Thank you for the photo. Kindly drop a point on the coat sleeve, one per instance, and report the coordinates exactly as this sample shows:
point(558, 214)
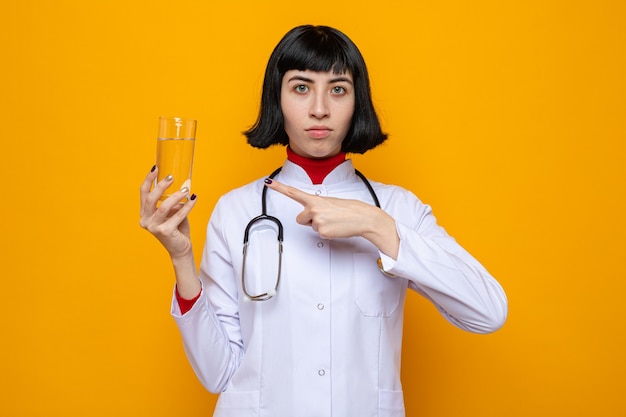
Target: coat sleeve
point(437, 267)
point(210, 330)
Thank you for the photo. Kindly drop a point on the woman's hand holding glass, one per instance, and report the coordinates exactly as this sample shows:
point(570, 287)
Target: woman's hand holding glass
point(166, 221)
point(169, 223)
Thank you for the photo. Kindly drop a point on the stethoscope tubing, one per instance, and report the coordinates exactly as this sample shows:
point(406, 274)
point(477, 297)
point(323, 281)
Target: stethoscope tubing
point(266, 217)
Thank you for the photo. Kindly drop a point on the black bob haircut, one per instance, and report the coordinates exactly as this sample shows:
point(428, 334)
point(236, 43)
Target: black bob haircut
point(316, 48)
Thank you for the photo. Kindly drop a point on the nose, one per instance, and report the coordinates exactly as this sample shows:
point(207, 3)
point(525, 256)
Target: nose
point(319, 106)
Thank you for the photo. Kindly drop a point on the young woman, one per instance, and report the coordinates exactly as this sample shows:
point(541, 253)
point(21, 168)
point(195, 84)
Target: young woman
point(306, 320)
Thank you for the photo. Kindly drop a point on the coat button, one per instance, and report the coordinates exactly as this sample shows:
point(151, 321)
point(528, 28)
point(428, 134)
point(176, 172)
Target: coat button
point(320, 306)
point(320, 244)
point(321, 372)
point(318, 192)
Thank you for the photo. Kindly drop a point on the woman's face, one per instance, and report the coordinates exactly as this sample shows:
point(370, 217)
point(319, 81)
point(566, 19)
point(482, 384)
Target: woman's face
point(317, 110)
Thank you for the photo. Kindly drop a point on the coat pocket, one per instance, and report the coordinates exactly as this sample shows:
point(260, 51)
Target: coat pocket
point(391, 403)
point(238, 404)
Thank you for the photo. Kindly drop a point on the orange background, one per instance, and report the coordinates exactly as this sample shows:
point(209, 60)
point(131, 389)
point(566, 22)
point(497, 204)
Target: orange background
point(506, 117)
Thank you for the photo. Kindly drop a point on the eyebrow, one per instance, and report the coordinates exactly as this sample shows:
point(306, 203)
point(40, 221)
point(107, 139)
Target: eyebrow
point(332, 80)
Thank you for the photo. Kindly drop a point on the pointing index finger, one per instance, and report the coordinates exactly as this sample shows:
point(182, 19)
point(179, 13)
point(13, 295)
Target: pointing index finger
point(291, 192)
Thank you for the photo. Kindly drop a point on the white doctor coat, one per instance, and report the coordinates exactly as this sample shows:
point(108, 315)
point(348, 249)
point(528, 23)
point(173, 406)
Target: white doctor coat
point(329, 342)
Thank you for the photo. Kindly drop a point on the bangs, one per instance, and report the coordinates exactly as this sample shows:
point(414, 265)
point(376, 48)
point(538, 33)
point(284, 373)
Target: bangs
point(318, 51)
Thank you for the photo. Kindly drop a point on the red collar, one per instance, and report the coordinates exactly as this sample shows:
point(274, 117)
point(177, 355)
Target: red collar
point(317, 169)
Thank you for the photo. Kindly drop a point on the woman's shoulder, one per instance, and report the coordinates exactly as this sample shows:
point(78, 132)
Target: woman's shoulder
point(398, 199)
point(392, 190)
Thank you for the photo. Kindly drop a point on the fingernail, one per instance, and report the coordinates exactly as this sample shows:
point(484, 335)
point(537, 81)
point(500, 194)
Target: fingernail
point(184, 190)
point(193, 197)
point(168, 178)
point(268, 180)
point(153, 168)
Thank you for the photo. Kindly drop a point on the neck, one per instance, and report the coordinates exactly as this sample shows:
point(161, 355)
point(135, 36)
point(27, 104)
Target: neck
point(316, 169)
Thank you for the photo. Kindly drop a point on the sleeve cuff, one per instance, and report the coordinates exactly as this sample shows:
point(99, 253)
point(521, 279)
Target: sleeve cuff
point(185, 304)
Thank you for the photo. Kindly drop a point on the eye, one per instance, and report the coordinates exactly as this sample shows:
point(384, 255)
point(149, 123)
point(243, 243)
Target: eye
point(338, 90)
point(301, 88)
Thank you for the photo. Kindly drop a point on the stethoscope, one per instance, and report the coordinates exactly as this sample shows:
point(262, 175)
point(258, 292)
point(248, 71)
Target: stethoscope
point(266, 217)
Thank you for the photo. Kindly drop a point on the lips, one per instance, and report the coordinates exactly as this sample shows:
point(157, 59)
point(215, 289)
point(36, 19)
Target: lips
point(318, 132)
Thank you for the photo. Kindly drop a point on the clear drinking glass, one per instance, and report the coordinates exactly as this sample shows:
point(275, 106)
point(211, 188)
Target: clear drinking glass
point(175, 146)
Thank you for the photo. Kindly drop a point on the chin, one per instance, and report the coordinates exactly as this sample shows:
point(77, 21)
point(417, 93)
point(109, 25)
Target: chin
point(319, 149)
point(322, 153)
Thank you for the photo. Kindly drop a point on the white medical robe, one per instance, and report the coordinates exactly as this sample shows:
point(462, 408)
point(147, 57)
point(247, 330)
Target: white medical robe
point(329, 342)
